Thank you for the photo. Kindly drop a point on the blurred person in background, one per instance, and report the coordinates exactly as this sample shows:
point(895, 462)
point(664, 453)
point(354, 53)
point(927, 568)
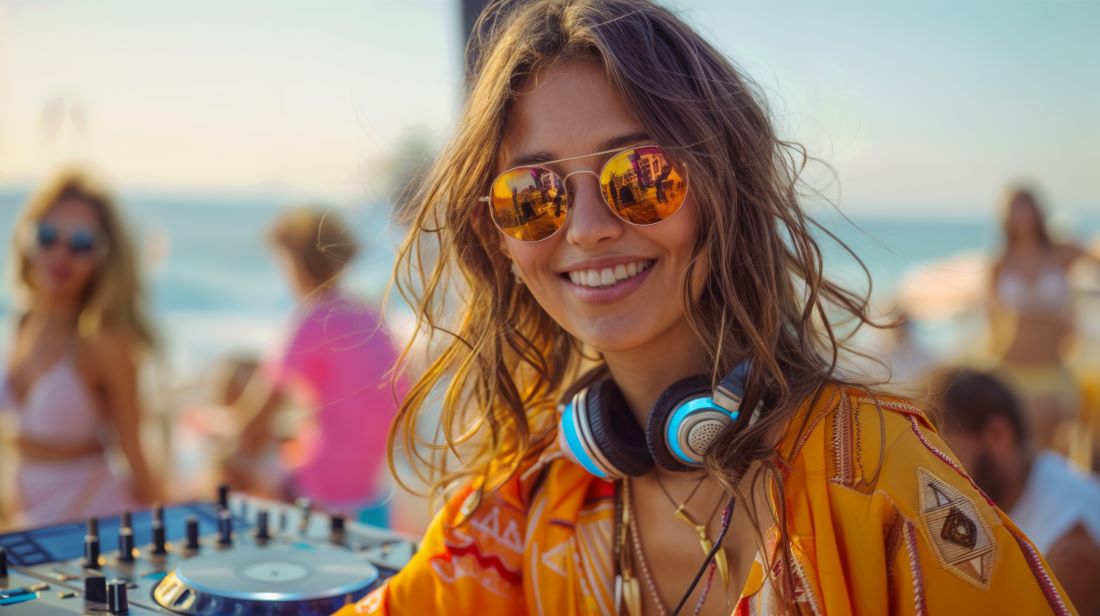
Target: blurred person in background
point(1032, 318)
point(336, 363)
point(1055, 504)
point(71, 374)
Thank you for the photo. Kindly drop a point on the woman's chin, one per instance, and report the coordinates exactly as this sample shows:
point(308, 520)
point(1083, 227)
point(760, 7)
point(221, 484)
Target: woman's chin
point(619, 338)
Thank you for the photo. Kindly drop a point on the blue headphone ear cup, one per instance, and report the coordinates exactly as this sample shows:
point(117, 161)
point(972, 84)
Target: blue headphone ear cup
point(618, 436)
point(671, 399)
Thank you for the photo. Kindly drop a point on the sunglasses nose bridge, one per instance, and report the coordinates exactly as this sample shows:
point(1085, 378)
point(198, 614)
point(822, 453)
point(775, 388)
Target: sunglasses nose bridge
point(571, 190)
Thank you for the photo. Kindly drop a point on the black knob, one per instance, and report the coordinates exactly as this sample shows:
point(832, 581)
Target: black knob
point(126, 545)
point(95, 588)
point(160, 540)
point(91, 544)
point(127, 520)
point(159, 536)
point(223, 496)
point(225, 528)
point(192, 533)
point(91, 552)
point(3, 563)
point(263, 533)
point(337, 525)
point(117, 603)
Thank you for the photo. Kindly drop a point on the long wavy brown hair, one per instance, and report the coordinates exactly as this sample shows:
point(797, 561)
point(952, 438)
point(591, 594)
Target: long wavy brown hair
point(500, 363)
point(114, 295)
point(1029, 196)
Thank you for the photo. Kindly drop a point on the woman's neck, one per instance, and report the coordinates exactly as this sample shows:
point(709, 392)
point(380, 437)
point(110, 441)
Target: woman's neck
point(56, 310)
point(1026, 244)
point(643, 373)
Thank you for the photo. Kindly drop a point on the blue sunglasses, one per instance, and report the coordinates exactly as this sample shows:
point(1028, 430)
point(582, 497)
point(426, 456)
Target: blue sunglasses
point(79, 242)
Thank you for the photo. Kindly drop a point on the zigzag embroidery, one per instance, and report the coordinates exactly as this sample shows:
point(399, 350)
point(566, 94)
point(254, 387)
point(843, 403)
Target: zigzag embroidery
point(491, 561)
point(489, 525)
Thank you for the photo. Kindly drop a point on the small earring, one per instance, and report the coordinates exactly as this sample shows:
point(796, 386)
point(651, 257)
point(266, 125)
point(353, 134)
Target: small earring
point(515, 272)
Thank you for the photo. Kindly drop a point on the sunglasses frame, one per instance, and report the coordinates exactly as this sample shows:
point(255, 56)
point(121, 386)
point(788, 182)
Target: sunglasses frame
point(64, 238)
point(680, 167)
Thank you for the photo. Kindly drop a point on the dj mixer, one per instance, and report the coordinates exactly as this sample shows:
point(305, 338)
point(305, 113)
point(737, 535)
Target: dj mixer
point(239, 555)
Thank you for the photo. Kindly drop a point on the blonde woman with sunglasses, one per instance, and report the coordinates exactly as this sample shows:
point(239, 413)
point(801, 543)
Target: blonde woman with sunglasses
point(641, 384)
point(71, 370)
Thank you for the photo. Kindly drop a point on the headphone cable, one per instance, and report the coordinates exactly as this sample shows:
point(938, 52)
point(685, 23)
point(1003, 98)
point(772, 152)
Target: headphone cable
point(726, 522)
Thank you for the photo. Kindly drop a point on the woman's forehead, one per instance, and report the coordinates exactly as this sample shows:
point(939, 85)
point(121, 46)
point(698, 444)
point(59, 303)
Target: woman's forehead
point(73, 209)
point(568, 109)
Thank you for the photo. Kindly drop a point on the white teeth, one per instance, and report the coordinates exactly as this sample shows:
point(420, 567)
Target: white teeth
point(609, 275)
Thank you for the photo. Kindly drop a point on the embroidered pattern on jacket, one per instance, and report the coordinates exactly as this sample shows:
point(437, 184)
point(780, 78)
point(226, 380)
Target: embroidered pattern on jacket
point(914, 568)
point(1053, 597)
point(960, 537)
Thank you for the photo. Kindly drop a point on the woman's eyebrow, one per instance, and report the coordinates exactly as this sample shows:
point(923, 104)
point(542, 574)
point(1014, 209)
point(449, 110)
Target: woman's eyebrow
point(605, 145)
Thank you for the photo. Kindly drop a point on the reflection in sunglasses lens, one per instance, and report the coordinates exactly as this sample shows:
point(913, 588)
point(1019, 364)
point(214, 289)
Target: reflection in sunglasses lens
point(642, 186)
point(529, 203)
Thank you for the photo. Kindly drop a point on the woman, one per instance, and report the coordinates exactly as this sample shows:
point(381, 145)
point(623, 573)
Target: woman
point(615, 198)
point(335, 340)
point(71, 373)
point(1033, 317)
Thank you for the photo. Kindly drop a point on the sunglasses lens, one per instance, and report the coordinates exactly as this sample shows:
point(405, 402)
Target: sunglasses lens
point(82, 243)
point(529, 203)
point(46, 235)
point(643, 186)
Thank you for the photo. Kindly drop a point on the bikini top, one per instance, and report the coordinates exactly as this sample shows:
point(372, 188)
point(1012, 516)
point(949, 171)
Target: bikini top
point(1049, 292)
point(58, 409)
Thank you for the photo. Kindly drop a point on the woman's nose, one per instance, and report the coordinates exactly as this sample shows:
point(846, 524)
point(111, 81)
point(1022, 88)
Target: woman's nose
point(590, 222)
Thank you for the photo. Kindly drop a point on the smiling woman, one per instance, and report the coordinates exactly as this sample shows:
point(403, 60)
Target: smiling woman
point(615, 200)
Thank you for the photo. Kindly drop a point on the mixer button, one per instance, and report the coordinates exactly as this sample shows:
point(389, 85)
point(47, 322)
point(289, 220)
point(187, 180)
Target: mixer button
point(117, 603)
point(95, 588)
point(192, 534)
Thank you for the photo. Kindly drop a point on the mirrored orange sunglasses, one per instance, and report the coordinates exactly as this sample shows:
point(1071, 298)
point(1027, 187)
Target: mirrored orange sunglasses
point(642, 185)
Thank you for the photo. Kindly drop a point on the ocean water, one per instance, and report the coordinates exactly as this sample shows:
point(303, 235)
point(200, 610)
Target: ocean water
point(215, 287)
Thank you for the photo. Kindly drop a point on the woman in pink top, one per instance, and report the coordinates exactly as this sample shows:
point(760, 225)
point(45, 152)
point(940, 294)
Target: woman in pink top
point(336, 362)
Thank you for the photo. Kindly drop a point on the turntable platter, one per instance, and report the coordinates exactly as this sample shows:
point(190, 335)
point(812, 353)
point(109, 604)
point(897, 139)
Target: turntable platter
point(299, 579)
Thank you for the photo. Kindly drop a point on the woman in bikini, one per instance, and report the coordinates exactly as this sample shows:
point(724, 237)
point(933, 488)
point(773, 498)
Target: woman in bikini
point(642, 410)
point(71, 370)
point(1034, 321)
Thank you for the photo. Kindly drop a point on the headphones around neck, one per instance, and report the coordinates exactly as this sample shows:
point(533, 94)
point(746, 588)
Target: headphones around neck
point(598, 432)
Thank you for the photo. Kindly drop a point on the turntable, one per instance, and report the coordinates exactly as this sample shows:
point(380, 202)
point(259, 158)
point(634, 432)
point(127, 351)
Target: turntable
point(281, 580)
point(238, 556)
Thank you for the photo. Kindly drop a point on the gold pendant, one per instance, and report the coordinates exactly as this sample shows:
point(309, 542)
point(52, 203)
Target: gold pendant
point(706, 544)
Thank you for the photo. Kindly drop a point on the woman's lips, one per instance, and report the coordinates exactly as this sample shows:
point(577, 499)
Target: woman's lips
point(606, 293)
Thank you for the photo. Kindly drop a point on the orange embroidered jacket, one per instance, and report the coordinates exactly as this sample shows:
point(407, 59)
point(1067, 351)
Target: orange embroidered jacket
point(882, 519)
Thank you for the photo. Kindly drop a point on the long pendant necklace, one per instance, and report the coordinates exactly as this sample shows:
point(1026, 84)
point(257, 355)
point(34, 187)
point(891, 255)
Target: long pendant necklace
point(644, 565)
point(700, 529)
point(627, 592)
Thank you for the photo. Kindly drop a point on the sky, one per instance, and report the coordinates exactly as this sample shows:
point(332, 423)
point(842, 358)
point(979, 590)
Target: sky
point(924, 107)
